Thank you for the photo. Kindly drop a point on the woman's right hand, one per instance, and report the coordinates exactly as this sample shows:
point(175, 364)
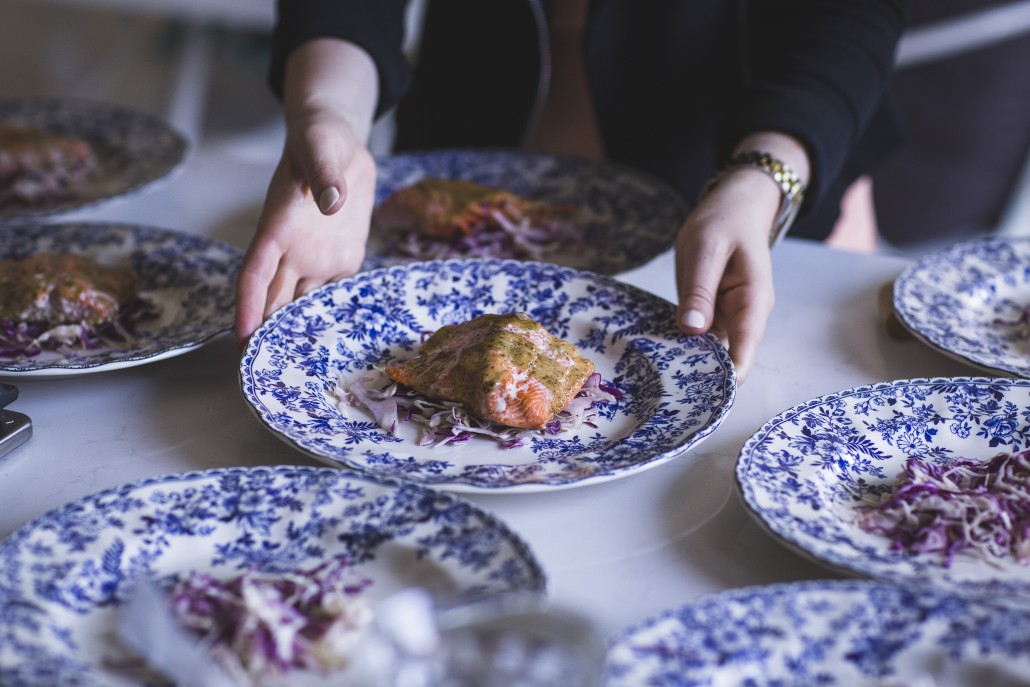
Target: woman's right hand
point(314, 223)
point(315, 219)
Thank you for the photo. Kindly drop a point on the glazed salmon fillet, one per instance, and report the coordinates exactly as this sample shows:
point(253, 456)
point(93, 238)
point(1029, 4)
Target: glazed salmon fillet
point(445, 208)
point(38, 166)
point(504, 368)
point(61, 288)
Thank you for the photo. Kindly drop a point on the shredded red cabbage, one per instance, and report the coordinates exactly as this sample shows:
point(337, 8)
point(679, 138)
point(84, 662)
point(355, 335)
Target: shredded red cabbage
point(29, 339)
point(41, 171)
point(499, 235)
point(258, 623)
point(974, 507)
point(1024, 318)
point(1023, 321)
point(446, 422)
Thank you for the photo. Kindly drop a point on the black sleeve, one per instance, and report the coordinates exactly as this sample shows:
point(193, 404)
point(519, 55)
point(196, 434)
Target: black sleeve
point(819, 70)
point(377, 26)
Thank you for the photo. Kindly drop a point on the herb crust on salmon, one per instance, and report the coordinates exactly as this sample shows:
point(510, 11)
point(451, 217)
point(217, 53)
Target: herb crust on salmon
point(502, 368)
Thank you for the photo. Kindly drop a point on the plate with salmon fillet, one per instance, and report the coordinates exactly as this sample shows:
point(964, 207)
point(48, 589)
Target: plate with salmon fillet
point(453, 204)
point(63, 154)
point(486, 375)
point(84, 297)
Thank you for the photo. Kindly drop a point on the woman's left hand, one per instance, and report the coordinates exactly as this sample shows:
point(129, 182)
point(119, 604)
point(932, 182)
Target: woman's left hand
point(724, 267)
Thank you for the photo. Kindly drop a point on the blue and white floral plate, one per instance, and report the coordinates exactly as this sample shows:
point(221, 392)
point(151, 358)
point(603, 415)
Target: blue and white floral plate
point(968, 301)
point(133, 149)
point(191, 278)
point(627, 216)
point(806, 471)
point(847, 633)
point(678, 389)
point(65, 574)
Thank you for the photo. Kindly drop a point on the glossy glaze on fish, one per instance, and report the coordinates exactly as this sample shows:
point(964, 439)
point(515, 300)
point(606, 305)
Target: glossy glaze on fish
point(448, 208)
point(504, 368)
point(63, 288)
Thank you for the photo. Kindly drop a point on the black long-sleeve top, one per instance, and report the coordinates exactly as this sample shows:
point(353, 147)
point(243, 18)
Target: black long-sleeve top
point(675, 83)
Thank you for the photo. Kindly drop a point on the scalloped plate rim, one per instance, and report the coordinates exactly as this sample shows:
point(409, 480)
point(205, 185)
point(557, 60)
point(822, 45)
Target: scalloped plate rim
point(846, 563)
point(11, 544)
point(913, 324)
point(841, 590)
point(513, 157)
point(729, 390)
point(183, 153)
point(133, 231)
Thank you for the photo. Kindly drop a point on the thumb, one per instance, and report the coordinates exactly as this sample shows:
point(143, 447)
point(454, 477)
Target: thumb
point(697, 283)
point(323, 157)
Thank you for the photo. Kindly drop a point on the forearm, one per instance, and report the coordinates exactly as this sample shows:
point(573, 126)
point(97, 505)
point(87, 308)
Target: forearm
point(331, 75)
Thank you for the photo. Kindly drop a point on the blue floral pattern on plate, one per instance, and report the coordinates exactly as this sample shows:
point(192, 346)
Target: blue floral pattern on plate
point(847, 633)
point(64, 575)
point(192, 279)
point(805, 472)
point(677, 388)
point(627, 217)
point(967, 301)
point(133, 149)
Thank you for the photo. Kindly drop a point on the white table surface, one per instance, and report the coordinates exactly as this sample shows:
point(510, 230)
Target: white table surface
point(619, 551)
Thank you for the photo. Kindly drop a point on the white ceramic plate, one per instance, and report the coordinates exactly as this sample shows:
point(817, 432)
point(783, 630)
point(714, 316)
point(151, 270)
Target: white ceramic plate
point(627, 217)
point(65, 574)
point(807, 470)
point(844, 633)
point(192, 279)
point(967, 301)
point(677, 389)
point(133, 149)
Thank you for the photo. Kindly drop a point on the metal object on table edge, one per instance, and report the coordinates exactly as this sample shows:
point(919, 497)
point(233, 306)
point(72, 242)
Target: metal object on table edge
point(15, 428)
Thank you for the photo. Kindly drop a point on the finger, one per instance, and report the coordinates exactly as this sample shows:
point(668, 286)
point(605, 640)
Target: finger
point(698, 273)
point(307, 285)
point(745, 325)
point(720, 334)
point(249, 313)
point(257, 271)
point(323, 159)
point(743, 339)
point(282, 288)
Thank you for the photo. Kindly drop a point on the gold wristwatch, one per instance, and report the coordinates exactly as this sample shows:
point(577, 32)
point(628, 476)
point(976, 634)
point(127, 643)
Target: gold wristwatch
point(793, 191)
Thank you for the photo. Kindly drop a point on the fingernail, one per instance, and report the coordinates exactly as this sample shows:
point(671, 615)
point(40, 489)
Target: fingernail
point(694, 319)
point(328, 199)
